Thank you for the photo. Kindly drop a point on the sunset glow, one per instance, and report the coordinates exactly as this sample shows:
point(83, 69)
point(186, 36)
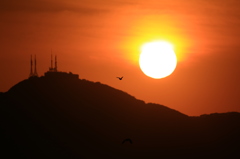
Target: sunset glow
point(102, 40)
point(157, 59)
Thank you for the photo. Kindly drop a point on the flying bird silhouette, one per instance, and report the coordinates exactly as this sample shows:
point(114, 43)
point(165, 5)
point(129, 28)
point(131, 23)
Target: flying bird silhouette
point(120, 78)
point(127, 140)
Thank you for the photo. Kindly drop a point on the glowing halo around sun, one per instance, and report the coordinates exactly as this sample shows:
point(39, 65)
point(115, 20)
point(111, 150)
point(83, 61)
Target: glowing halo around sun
point(157, 59)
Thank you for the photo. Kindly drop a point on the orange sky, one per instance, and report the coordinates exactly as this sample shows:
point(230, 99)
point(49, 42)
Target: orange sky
point(100, 40)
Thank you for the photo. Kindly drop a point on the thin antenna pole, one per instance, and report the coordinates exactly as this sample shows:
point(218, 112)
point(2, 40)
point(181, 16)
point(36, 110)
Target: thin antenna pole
point(35, 67)
point(31, 71)
point(56, 63)
point(51, 61)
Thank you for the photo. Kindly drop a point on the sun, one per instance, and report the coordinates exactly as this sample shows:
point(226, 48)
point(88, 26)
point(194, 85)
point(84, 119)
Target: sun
point(157, 59)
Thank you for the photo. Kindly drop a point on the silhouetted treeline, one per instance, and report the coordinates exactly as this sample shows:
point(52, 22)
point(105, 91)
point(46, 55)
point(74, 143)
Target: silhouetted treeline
point(75, 118)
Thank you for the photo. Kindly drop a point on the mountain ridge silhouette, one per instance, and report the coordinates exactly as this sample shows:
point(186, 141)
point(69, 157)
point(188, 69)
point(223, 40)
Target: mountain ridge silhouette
point(77, 118)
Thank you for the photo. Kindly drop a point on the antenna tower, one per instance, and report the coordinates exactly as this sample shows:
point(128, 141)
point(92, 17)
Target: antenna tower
point(55, 63)
point(35, 67)
point(31, 70)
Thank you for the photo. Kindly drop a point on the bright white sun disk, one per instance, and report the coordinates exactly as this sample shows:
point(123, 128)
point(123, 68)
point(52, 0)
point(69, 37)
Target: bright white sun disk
point(157, 59)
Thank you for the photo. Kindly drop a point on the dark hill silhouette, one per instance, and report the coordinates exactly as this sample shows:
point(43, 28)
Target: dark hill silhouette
point(74, 118)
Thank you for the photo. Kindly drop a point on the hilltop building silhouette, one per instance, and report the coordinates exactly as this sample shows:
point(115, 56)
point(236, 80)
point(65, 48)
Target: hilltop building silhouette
point(52, 72)
point(33, 74)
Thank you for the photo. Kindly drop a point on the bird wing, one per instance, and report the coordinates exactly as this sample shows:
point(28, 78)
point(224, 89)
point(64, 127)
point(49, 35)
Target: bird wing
point(129, 140)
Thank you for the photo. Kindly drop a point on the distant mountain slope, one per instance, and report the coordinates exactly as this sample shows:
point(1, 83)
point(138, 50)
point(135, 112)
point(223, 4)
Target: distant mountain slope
point(75, 118)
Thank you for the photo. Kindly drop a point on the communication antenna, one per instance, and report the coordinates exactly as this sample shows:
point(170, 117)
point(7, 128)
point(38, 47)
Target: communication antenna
point(56, 63)
point(31, 70)
point(35, 67)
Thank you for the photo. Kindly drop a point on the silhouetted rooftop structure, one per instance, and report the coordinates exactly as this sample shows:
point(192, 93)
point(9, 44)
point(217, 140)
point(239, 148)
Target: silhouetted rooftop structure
point(60, 75)
point(52, 72)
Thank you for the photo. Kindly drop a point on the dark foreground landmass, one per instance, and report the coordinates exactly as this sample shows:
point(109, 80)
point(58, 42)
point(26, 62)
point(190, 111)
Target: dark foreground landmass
point(73, 118)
